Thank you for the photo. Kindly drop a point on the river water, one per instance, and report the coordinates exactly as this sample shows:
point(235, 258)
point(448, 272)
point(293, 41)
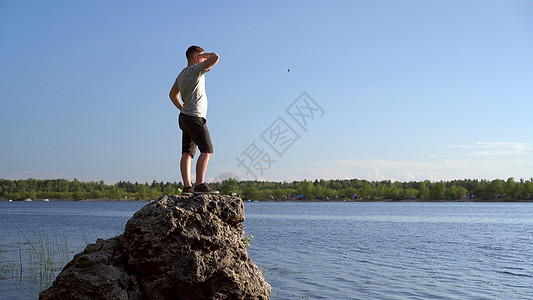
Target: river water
point(321, 250)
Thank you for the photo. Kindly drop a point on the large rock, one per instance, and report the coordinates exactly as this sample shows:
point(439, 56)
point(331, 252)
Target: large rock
point(177, 247)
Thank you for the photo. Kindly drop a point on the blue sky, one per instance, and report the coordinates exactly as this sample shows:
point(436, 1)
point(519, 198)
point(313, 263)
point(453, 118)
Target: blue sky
point(402, 90)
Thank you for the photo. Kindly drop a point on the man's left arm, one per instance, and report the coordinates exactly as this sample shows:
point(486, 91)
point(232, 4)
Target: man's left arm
point(174, 96)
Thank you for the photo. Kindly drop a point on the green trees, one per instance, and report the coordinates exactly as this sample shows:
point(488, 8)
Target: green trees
point(510, 188)
point(307, 189)
point(437, 191)
point(424, 190)
point(250, 192)
point(229, 186)
point(77, 190)
point(312, 190)
point(142, 192)
point(455, 192)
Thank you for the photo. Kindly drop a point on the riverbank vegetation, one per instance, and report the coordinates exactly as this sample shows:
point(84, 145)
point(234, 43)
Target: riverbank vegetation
point(34, 261)
point(78, 190)
point(348, 189)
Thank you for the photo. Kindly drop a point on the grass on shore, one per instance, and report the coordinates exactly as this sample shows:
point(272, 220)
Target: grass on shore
point(36, 259)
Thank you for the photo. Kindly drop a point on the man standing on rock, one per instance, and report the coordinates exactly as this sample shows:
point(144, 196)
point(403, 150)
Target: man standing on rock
point(192, 118)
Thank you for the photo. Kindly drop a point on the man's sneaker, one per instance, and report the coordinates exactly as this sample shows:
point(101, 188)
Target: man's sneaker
point(204, 189)
point(188, 191)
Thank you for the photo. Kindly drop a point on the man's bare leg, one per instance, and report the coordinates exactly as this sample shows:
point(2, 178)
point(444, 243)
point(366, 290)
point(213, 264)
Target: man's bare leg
point(201, 167)
point(185, 167)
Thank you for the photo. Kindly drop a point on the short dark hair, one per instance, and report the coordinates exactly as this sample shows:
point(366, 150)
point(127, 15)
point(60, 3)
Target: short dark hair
point(193, 50)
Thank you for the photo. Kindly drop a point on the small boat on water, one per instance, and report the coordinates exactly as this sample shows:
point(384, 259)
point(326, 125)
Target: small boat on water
point(28, 200)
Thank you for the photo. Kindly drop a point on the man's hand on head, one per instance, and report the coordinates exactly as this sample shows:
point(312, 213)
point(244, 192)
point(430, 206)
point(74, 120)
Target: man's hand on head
point(211, 60)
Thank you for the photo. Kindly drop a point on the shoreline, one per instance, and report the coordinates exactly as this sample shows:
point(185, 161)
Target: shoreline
point(286, 200)
point(405, 200)
point(82, 200)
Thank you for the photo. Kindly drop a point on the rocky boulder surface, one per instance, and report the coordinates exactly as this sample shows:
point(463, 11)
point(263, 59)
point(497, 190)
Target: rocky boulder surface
point(177, 247)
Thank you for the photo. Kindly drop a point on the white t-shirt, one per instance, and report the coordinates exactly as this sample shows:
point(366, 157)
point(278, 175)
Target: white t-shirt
point(191, 84)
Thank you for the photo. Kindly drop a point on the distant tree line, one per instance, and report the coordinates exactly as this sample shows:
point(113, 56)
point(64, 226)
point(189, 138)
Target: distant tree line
point(78, 190)
point(370, 190)
point(356, 189)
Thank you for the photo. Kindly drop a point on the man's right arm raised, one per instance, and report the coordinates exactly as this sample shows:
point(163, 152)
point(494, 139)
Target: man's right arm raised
point(211, 60)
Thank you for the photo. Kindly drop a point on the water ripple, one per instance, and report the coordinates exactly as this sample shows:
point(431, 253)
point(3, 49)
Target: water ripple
point(396, 251)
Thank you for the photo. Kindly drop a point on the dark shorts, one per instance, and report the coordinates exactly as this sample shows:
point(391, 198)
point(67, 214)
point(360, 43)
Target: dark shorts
point(194, 133)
